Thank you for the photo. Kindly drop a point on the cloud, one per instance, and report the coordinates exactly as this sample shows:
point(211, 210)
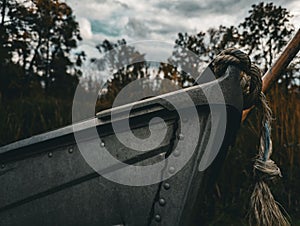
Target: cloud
point(85, 28)
point(136, 28)
point(123, 4)
point(160, 20)
point(192, 8)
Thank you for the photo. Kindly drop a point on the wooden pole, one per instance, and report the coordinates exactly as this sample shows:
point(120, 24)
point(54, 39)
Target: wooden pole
point(280, 64)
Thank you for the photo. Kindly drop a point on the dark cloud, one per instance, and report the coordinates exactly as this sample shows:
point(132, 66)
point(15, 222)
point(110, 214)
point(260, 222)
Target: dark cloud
point(192, 8)
point(180, 6)
point(164, 19)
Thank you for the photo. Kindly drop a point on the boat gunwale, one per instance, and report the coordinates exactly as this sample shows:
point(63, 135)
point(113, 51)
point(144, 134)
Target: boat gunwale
point(139, 108)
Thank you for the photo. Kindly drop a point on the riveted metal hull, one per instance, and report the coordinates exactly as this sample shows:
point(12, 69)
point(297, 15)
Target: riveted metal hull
point(45, 180)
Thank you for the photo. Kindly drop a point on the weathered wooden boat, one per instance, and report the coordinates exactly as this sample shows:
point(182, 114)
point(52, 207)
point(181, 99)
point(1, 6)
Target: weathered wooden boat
point(45, 179)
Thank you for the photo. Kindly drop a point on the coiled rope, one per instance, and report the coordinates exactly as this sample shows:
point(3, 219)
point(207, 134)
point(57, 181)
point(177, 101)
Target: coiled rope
point(264, 209)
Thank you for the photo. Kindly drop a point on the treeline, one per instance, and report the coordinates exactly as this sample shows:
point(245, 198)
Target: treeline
point(40, 70)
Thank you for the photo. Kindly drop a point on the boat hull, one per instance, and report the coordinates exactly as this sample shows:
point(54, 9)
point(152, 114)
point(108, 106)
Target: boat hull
point(45, 180)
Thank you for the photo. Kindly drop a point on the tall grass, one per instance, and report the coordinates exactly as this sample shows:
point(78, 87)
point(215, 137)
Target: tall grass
point(22, 118)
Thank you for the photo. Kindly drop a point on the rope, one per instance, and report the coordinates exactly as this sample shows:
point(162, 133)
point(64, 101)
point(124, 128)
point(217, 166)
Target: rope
point(264, 209)
point(250, 77)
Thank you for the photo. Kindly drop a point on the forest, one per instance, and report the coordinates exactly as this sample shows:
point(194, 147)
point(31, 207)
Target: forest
point(40, 70)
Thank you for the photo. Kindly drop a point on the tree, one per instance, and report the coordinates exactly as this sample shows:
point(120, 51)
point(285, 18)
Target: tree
point(120, 64)
point(10, 72)
point(124, 64)
point(40, 35)
point(265, 32)
point(192, 53)
point(221, 39)
point(38, 68)
point(187, 58)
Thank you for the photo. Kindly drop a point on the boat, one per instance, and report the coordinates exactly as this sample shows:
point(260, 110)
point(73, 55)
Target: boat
point(48, 180)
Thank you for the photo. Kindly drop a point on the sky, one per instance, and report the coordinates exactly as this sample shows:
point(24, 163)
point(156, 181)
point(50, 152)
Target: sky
point(138, 20)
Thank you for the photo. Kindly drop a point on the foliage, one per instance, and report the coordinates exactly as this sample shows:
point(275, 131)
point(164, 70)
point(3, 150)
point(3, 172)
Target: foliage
point(37, 38)
point(37, 67)
point(265, 32)
point(125, 64)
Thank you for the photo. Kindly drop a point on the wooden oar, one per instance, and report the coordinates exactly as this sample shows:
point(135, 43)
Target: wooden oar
point(280, 64)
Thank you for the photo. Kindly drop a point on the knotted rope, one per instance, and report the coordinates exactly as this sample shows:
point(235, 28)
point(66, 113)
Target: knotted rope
point(250, 77)
point(264, 209)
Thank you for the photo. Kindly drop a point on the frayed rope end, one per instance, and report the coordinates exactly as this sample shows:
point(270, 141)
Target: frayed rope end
point(264, 209)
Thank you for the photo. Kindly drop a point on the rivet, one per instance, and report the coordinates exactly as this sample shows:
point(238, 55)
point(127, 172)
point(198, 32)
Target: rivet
point(2, 166)
point(162, 201)
point(172, 170)
point(71, 150)
point(157, 218)
point(102, 144)
point(50, 154)
point(176, 153)
point(167, 186)
point(180, 136)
